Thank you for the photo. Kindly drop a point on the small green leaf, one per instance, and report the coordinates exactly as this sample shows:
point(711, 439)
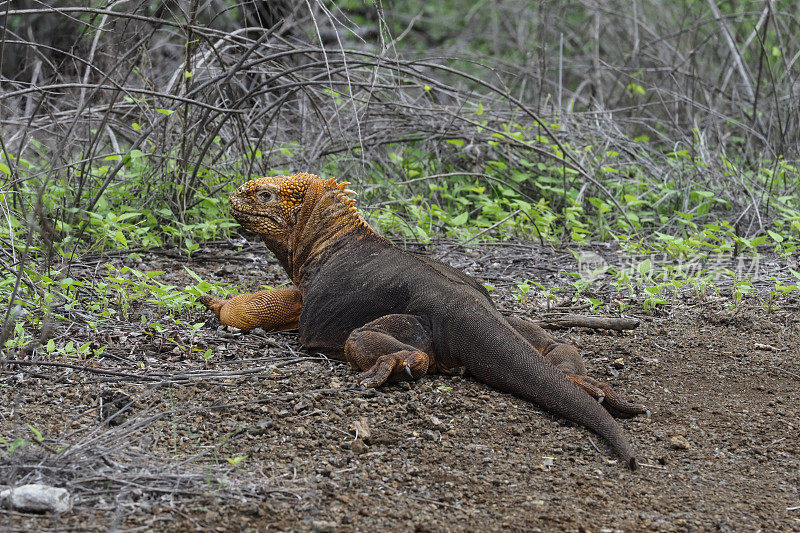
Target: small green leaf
point(236, 459)
point(37, 433)
point(635, 88)
point(459, 220)
point(118, 235)
point(192, 273)
point(777, 237)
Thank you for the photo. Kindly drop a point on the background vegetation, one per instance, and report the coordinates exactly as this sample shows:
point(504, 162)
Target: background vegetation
point(660, 127)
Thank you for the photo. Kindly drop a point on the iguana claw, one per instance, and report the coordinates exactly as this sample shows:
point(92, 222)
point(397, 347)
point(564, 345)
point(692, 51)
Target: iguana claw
point(605, 395)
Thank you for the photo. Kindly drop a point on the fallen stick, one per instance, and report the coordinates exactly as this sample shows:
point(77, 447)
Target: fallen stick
point(593, 322)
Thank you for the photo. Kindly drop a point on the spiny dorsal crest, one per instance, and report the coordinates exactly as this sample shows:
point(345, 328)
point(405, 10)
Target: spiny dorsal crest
point(345, 196)
point(343, 192)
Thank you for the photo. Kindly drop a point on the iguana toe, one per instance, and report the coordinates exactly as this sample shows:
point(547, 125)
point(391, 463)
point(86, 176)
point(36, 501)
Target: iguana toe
point(605, 395)
point(377, 375)
point(399, 366)
point(213, 304)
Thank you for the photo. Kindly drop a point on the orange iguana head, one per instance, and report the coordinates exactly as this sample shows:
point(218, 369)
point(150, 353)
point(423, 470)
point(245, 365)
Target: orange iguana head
point(298, 216)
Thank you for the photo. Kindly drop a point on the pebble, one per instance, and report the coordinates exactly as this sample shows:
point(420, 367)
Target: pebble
point(37, 498)
point(358, 446)
point(430, 435)
point(679, 442)
point(301, 405)
point(321, 526)
point(260, 427)
point(361, 427)
point(112, 402)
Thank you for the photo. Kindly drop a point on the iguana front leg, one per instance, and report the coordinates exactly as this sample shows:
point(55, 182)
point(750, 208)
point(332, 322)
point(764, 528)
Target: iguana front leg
point(272, 309)
point(392, 348)
point(567, 359)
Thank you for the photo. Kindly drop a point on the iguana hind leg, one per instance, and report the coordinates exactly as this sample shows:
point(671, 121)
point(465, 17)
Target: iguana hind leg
point(272, 309)
point(567, 359)
point(391, 348)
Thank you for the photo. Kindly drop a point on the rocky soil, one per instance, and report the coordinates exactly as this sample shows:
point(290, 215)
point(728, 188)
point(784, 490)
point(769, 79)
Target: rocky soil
point(264, 436)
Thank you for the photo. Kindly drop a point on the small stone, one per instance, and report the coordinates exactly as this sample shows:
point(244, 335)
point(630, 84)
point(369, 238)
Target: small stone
point(321, 526)
point(250, 508)
point(112, 403)
point(429, 435)
point(38, 498)
point(619, 363)
point(260, 427)
point(361, 427)
point(679, 442)
point(435, 421)
point(358, 447)
point(302, 405)
point(338, 461)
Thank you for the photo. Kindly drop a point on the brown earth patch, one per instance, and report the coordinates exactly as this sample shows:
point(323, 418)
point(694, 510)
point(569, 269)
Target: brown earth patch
point(265, 436)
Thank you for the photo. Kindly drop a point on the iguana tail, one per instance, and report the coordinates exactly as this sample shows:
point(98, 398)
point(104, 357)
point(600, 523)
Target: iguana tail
point(498, 356)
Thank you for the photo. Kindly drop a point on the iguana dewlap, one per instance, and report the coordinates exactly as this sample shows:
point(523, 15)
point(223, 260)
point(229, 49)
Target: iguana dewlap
point(396, 315)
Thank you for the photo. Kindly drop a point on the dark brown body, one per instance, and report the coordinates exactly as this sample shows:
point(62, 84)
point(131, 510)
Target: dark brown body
point(372, 278)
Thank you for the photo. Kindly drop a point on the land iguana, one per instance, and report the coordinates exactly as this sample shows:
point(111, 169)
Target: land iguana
point(395, 315)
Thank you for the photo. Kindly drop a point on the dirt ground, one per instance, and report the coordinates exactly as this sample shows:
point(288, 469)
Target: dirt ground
point(265, 436)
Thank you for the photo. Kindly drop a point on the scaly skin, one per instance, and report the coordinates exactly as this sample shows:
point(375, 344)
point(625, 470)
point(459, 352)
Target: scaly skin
point(395, 315)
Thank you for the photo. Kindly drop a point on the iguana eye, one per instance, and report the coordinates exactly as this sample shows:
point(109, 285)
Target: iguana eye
point(266, 197)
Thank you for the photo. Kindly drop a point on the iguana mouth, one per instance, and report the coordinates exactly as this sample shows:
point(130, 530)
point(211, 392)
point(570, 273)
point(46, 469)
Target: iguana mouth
point(240, 215)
